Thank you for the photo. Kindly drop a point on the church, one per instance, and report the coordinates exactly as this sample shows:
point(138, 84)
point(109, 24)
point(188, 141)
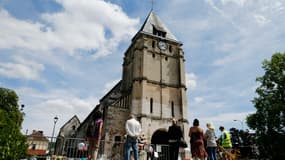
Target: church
point(152, 87)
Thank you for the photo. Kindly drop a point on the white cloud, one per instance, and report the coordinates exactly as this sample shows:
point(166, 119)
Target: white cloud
point(17, 33)
point(63, 96)
point(224, 14)
point(258, 26)
point(109, 85)
point(227, 59)
point(227, 120)
point(198, 99)
point(202, 103)
point(43, 106)
point(227, 47)
point(21, 68)
point(191, 80)
point(96, 27)
point(261, 20)
point(70, 105)
point(239, 2)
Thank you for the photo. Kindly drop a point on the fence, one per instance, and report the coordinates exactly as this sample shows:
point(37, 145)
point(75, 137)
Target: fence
point(63, 148)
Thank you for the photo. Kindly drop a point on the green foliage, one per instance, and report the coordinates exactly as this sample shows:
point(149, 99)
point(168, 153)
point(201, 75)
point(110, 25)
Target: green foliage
point(12, 142)
point(269, 119)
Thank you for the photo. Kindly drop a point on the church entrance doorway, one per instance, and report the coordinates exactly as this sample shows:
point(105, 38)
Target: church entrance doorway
point(159, 141)
point(160, 136)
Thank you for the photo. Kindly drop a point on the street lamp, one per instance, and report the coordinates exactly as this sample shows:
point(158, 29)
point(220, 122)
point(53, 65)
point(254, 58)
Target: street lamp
point(55, 119)
point(22, 107)
point(241, 122)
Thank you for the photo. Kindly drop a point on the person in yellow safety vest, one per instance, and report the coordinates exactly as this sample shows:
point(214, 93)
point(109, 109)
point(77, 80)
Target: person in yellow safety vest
point(225, 139)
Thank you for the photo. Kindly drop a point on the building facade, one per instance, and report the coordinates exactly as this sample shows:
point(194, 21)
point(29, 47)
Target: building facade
point(65, 136)
point(37, 144)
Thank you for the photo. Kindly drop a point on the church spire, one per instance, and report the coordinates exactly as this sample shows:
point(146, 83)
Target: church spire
point(154, 26)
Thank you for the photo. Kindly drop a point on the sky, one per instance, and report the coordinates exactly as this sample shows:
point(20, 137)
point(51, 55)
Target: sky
point(62, 56)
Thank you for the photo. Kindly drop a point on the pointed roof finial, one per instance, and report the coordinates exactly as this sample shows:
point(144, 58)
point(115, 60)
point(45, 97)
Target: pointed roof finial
point(152, 3)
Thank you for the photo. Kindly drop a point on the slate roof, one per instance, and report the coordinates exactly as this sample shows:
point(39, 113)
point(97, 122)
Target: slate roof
point(37, 135)
point(153, 20)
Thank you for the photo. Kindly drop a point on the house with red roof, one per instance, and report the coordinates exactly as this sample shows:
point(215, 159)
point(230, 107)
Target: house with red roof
point(37, 144)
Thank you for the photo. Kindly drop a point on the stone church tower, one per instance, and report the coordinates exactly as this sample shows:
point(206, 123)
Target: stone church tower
point(154, 77)
point(152, 87)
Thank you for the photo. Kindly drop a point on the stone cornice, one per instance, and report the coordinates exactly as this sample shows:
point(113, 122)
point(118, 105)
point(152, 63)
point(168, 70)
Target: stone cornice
point(160, 118)
point(159, 83)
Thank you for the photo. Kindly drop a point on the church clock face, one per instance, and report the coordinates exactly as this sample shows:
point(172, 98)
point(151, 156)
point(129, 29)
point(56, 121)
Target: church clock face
point(162, 45)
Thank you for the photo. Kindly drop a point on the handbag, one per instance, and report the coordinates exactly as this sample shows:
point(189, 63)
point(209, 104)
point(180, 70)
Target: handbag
point(155, 154)
point(182, 143)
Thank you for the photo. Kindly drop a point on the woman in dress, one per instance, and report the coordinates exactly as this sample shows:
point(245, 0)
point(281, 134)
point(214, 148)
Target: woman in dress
point(197, 142)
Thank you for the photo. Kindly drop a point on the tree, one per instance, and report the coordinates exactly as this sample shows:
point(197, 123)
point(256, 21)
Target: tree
point(12, 142)
point(269, 119)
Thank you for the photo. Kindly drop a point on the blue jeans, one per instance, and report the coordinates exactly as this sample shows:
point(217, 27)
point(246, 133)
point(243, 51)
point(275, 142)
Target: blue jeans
point(211, 153)
point(131, 142)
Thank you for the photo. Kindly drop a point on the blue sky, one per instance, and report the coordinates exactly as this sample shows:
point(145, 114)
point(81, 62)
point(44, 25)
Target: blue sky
point(62, 56)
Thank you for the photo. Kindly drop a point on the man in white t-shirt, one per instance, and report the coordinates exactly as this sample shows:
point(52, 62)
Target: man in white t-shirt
point(133, 129)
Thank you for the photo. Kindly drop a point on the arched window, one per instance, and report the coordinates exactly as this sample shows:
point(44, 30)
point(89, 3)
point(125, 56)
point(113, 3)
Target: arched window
point(151, 105)
point(153, 44)
point(157, 32)
point(172, 109)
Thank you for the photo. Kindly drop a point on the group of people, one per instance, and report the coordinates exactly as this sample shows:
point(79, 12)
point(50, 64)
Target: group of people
point(133, 130)
point(199, 149)
point(94, 130)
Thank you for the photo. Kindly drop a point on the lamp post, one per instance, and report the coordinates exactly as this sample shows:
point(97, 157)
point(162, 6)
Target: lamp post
point(19, 120)
point(241, 122)
point(55, 119)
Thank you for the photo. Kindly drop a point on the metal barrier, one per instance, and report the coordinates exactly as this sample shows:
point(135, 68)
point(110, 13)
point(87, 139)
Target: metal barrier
point(162, 152)
point(60, 148)
point(63, 148)
point(71, 147)
point(115, 151)
point(111, 150)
